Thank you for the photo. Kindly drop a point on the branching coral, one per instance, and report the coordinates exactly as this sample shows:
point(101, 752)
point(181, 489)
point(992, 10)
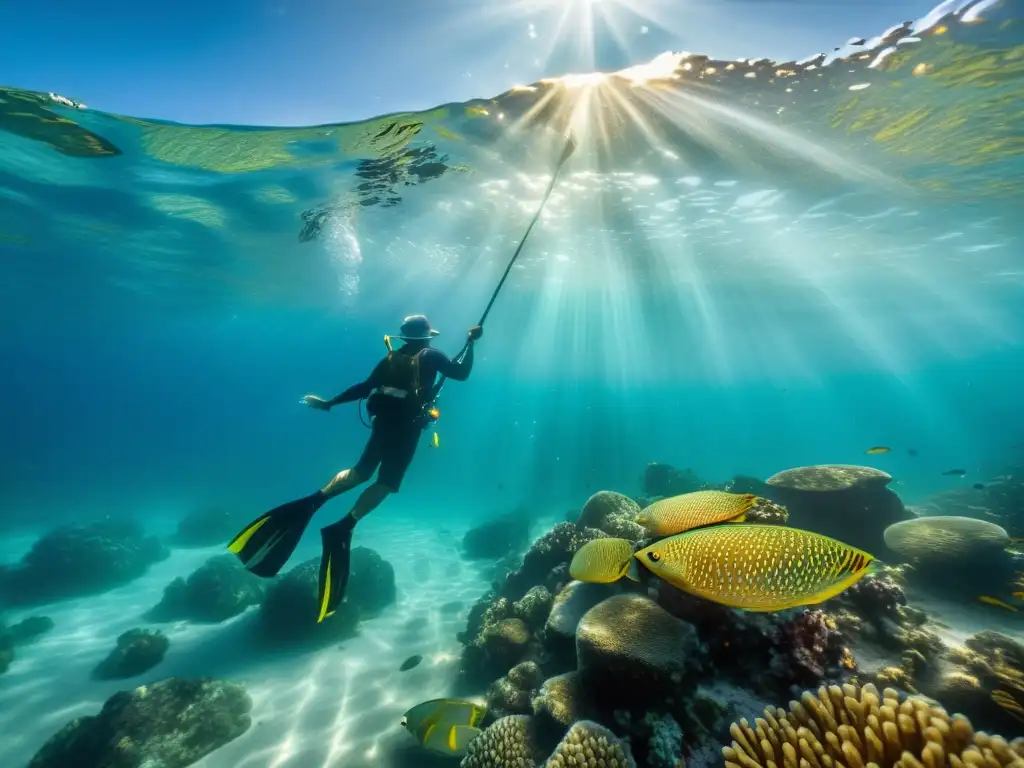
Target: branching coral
point(856, 727)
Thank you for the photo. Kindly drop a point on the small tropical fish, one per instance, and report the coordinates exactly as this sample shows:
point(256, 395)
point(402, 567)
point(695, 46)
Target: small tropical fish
point(444, 725)
point(412, 661)
point(996, 602)
point(603, 561)
point(955, 472)
point(693, 510)
point(878, 449)
point(756, 567)
point(978, 486)
point(912, 451)
point(435, 441)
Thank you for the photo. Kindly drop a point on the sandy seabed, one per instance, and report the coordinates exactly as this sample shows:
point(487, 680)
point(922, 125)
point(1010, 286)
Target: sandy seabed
point(338, 706)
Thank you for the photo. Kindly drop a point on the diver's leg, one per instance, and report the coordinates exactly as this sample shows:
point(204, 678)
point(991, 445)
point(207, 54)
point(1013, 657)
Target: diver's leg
point(363, 470)
point(345, 480)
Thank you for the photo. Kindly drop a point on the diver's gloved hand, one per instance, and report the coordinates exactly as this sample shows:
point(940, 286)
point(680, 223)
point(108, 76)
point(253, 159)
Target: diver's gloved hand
point(316, 402)
point(476, 332)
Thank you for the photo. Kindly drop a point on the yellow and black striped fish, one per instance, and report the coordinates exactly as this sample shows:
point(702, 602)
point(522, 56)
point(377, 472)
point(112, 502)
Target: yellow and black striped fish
point(693, 510)
point(445, 725)
point(756, 567)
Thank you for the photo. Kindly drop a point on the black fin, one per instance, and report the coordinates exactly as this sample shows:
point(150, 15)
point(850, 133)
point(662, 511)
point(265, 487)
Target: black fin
point(334, 565)
point(265, 545)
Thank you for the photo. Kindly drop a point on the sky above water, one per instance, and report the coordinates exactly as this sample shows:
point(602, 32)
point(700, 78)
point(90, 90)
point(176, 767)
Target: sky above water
point(305, 62)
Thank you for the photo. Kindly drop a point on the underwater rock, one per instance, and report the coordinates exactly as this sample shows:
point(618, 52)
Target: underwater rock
point(664, 480)
point(560, 702)
point(6, 649)
point(568, 608)
point(631, 650)
point(509, 742)
point(506, 642)
point(768, 512)
point(495, 539)
point(216, 591)
point(81, 559)
point(534, 607)
point(171, 724)
point(926, 735)
point(613, 514)
point(137, 651)
point(29, 630)
point(288, 613)
point(957, 555)
point(554, 548)
point(206, 527)
point(983, 679)
point(846, 502)
point(590, 745)
point(371, 585)
point(665, 742)
point(511, 694)
point(876, 595)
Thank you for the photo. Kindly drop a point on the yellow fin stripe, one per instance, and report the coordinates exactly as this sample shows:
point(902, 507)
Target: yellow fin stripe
point(451, 738)
point(327, 593)
point(475, 716)
point(430, 730)
point(239, 542)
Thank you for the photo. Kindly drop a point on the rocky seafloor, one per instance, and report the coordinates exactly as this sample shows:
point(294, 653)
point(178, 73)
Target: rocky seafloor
point(579, 674)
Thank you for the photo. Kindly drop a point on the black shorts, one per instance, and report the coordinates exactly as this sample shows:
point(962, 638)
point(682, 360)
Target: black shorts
point(391, 446)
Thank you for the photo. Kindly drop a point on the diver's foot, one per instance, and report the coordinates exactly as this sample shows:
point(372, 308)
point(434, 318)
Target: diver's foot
point(334, 564)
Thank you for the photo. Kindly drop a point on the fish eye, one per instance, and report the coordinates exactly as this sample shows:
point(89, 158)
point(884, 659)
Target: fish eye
point(405, 722)
point(653, 557)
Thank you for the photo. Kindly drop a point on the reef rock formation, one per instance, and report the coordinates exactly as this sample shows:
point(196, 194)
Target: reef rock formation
point(216, 591)
point(664, 480)
point(575, 599)
point(560, 702)
point(290, 609)
point(81, 559)
point(512, 694)
point(206, 527)
point(590, 745)
point(137, 651)
point(371, 584)
point(29, 630)
point(170, 724)
point(855, 726)
point(962, 554)
point(631, 651)
point(848, 503)
point(499, 538)
point(509, 742)
point(613, 514)
point(6, 649)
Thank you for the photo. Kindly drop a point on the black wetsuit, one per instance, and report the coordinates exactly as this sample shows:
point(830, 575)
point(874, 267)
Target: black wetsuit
point(394, 438)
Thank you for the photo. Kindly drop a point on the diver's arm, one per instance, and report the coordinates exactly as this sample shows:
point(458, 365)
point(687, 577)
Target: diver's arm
point(458, 370)
point(355, 392)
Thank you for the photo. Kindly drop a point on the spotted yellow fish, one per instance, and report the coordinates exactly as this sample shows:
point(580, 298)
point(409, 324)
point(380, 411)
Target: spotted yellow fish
point(603, 561)
point(445, 725)
point(756, 567)
point(692, 510)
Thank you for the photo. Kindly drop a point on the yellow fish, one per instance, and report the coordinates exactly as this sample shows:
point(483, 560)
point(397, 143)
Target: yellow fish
point(603, 561)
point(878, 449)
point(756, 567)
point(445, 725)
point(435, 441)
point(996, 602)
point(693, 510)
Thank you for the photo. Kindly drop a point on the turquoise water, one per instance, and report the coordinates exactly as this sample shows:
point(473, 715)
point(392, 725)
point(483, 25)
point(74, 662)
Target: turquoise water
point(744, 267)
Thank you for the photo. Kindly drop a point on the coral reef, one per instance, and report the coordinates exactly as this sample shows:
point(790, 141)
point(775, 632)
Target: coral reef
point(512, 694)
point(857, 727)
point(663, 480)
point(498, 538)
point(613, 514)
point(172, 724)
point(509, 742)
point(137, 651)
point(214, 592)
point(206, 527)
point(569, 606)
point(81, 559)
point(848, 503)
point(589, 745)
point(288, 613)
point(371, 584)
point(534, 607)
point(29, 630)
point(631, 651)
point(561, 702)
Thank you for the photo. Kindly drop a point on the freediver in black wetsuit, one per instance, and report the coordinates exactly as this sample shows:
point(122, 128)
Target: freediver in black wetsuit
point(400, 393)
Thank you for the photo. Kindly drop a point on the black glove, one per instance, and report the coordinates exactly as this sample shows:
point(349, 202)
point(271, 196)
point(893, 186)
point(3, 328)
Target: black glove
point(476, 332)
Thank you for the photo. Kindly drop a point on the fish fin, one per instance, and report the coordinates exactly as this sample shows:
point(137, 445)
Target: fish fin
point(459, 737)
point(632, 572)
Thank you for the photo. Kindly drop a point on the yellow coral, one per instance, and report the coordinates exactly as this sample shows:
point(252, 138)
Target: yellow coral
point(858, 727)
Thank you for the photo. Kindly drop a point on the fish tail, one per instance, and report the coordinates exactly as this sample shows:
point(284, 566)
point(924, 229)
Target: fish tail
point(632, 572)
point(749, 500)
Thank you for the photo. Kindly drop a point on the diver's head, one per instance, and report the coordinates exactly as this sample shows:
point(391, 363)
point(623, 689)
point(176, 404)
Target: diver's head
point(416, 331)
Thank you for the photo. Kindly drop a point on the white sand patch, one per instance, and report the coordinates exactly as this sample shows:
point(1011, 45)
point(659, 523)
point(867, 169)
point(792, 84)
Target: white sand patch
point(339, 706)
